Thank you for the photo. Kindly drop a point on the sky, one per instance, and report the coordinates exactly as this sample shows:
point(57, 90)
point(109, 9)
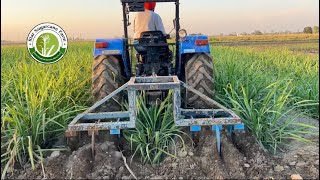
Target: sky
point(90, 19)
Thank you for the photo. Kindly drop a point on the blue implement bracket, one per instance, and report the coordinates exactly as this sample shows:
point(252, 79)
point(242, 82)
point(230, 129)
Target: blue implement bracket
point(214, 127)
point(230, 130)
point(195, 128)
point(239, 126)
point(115, 131)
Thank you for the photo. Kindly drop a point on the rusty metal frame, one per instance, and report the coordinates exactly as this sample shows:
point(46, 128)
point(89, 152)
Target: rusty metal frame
point(154, 83)
point(75, 125)
point(182, 117)
point(135, 84)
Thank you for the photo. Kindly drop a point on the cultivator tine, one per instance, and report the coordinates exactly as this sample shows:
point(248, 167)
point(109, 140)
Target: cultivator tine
point(195, 133)
point(217, 129)
point(230, 130)
point(79, 136)
point(93, 145)
point(93, 132)
point(117, 133)
point(218, 139)
point(72, 140)
point(69, 134)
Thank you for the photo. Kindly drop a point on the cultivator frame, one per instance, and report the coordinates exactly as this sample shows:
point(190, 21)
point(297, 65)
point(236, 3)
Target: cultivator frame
point(182, 117)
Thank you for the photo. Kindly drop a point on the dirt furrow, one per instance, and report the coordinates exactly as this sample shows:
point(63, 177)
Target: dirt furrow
point(241, 158)
point(211, 162)
point(232, 158)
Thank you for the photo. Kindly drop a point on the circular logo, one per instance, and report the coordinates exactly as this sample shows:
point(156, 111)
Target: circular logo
point(47, 43)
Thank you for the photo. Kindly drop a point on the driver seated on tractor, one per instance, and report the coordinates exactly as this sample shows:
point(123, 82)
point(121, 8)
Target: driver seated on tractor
point(147, 20)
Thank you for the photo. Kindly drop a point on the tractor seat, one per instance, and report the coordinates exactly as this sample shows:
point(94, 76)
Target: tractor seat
point(149, 38)
point(139, 48)
point(156, 35)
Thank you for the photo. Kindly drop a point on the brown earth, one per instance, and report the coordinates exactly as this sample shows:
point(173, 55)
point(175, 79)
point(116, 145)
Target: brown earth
point(241, 157)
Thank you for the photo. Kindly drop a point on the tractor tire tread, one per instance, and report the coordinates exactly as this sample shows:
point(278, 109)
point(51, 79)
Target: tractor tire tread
point(106, 78)
point(199, 75)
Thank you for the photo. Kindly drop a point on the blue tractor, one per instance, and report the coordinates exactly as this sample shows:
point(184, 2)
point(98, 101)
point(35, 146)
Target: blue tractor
point(157, 70)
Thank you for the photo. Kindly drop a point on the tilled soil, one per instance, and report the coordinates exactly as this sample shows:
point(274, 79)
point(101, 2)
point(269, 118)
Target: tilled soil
point(241, 157)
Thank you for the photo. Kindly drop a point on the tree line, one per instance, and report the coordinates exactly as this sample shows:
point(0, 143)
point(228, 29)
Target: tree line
point(306, 30)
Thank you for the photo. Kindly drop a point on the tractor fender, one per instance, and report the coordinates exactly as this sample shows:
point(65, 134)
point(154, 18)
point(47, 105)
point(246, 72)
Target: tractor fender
point(189, 44)
point(114, 47)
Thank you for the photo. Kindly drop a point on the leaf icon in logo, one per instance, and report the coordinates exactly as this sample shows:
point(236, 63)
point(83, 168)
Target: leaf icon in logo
point(47, 44)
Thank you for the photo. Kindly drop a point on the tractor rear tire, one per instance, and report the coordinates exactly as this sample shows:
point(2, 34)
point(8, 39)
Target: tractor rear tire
point(199, 75)
point(106, 78)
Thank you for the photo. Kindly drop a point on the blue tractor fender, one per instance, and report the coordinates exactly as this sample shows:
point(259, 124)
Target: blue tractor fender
point(113, 47)
point(192, 44)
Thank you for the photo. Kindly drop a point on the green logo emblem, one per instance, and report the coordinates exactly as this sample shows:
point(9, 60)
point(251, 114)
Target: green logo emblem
point(47, 43)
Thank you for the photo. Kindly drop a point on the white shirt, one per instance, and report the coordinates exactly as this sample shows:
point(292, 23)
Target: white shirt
point(147, 21)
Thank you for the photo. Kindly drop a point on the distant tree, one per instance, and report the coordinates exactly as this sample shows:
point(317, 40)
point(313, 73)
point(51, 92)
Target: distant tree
point(315, 29)
point(233, 34)
point(287, 32)
point(257, 32)
point(307, 30)
point(244, 33)
point(221, 34)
